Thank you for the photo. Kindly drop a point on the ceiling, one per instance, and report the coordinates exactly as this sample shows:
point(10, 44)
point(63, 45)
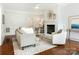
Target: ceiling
point(28, 6)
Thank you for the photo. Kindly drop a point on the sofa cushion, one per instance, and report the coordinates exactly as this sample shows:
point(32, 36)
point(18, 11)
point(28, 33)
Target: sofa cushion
point(27, 30)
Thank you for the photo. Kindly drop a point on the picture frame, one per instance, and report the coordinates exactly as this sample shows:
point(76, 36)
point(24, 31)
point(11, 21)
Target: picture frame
point(74, 22)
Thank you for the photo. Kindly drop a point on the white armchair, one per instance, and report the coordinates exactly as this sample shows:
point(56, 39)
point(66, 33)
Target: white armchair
point(25, 37)
point(59, 38)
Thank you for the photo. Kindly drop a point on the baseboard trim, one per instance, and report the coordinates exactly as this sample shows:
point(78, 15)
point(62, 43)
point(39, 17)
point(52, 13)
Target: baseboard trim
point(73, 39)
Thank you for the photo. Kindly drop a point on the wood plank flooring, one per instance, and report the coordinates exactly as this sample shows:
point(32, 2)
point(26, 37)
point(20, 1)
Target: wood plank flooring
point(7, 49)
point(62, 50)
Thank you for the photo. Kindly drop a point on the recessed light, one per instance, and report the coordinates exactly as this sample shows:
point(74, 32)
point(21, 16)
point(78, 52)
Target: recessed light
point(37, 6)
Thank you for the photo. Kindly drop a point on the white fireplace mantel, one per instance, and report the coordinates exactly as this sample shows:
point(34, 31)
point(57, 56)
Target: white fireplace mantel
point(49, 23)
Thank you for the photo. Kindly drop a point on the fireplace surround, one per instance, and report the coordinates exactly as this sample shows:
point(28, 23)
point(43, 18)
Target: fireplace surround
point(50, 27)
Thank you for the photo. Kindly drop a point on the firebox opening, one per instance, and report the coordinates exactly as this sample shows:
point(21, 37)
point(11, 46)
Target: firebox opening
point(50, 29)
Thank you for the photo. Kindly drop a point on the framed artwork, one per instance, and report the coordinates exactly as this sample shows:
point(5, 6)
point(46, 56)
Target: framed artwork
point(74, 22)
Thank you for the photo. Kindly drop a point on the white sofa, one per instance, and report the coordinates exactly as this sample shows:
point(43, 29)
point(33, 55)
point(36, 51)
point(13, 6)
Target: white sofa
point(25, 37)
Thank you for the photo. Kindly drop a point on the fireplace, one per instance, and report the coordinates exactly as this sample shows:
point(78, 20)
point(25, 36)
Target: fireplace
point(50, 29)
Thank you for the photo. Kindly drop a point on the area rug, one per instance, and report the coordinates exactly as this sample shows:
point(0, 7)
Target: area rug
point(41, 46)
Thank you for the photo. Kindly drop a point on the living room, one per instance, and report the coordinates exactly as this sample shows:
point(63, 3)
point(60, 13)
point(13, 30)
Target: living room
point(50, 25)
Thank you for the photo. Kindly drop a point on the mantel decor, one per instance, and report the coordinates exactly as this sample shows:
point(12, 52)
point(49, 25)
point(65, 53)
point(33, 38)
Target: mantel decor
point(51, 15)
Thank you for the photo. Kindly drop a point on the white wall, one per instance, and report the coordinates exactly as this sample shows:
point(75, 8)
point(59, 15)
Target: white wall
point(2, 27)
point(0, 23)
point(15, 19)
point(59, 14)
point(62, 17)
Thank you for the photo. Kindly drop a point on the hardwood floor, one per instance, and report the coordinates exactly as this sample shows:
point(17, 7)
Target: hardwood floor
point(7, 48)
point(62, 50)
